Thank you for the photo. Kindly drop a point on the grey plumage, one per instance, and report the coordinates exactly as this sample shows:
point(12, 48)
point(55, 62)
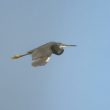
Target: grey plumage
point(42, 54)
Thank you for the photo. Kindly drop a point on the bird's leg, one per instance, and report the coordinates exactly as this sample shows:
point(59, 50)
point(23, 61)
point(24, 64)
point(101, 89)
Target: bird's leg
point(19, 56)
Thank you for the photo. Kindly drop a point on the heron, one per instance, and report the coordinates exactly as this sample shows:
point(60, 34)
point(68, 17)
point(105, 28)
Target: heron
point(41, 55)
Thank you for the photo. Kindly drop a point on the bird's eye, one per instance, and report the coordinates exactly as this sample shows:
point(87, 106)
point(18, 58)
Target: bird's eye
point(57, 50)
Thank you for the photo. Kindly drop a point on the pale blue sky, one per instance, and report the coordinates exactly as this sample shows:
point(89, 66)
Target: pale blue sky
point(77, 80)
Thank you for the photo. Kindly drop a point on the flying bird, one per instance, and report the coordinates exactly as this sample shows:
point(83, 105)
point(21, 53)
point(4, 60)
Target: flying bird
point(42, 54)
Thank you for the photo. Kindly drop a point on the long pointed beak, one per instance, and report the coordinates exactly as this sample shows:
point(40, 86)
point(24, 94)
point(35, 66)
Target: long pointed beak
point(70, 45)
point(65, 45)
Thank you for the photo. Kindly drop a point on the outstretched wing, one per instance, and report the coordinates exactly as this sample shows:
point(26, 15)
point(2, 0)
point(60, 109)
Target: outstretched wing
point(41, 56)
point(40, 61)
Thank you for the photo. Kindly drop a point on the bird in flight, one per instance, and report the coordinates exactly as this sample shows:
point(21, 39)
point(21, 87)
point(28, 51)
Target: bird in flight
point(42, 54)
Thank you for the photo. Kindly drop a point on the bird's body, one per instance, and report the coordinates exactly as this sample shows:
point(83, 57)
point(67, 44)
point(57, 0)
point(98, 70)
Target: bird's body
point(42, 54)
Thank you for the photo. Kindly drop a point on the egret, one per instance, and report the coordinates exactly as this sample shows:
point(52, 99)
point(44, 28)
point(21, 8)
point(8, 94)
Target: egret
point(42, 54)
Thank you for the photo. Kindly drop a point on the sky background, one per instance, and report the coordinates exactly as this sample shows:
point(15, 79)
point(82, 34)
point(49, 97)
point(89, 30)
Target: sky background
point(79, 79)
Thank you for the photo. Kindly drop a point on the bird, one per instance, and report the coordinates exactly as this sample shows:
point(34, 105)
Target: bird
point(42, 54)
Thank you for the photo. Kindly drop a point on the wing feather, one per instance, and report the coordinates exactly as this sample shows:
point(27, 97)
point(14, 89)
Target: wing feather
point(40, 61)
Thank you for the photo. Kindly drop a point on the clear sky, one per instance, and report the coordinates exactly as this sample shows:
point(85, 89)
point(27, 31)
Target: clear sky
point(77, 80)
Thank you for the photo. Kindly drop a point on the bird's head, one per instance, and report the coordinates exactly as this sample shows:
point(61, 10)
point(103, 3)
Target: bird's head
point(58, 48)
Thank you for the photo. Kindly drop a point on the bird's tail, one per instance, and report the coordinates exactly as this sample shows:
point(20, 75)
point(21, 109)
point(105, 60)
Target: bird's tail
point(19, 56)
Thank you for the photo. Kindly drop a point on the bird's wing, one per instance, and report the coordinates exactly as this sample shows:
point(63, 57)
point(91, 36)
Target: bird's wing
point(36, 54)
point(41, 52)
point(40, 61)
point(41, 56)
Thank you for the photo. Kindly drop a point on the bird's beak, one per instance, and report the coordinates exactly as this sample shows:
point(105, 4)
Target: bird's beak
point(70, 45)
point(65, 45)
